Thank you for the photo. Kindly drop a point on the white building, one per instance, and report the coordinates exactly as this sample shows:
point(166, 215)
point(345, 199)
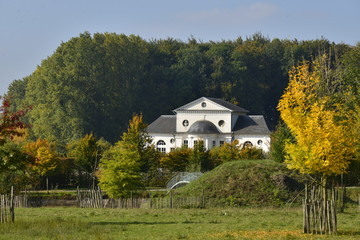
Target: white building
point(211, 120)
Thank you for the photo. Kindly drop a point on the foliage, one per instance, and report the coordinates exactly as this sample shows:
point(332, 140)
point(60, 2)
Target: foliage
point(120, 170)
point(177, 160)
point(44, 159)
point(87, 152)
point(13, 166)
point(13, 161)
point(225, 153)
point(94, 82)
point(199, 159)
point(250, 152)
point(278, 139)
point(121, 165)
point(324, 140)
point(10, 122)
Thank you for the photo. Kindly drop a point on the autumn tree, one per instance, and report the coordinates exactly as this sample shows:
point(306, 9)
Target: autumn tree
point(321, 125)
point(13, 161)
point(10, 122)
point(45, 159)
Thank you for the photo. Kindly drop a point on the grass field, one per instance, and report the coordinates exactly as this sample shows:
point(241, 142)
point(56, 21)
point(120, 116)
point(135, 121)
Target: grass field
point(232, 223)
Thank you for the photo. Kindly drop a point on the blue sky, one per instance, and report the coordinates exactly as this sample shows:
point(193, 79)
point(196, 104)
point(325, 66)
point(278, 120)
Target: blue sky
point(30, 31)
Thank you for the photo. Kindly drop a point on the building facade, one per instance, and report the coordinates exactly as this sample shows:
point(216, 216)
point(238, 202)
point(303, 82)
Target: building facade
point(212, 121)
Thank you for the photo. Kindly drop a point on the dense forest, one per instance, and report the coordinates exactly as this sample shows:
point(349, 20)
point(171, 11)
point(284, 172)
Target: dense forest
point(95, 82)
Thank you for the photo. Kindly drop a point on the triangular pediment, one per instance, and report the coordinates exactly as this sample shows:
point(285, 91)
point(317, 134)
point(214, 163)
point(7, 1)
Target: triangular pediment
point(210, 104)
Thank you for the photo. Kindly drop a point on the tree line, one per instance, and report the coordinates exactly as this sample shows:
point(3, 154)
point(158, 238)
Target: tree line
point(83, 95)
point(93, 83)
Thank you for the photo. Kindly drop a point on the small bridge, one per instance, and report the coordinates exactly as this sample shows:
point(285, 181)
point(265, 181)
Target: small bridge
point(182, 178)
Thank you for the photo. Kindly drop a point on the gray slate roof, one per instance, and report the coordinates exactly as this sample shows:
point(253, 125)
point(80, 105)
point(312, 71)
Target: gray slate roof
point(228, 105)
point(251, 124)
point(203, 127)
point(246, 124)
point(164, 124)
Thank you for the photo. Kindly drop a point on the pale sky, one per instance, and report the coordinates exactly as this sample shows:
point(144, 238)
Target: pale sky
point(31, 30)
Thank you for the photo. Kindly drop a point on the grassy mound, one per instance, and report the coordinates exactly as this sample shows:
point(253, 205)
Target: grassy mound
point(248, 183)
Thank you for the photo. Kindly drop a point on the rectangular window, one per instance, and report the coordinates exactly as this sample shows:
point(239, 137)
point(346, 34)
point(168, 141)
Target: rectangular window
point(221, 143)
point(162, 150)
point(213, 143)
point(186, 143)
point(172, 149)
point(195, 142)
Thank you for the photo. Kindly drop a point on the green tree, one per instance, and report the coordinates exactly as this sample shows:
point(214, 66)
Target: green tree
point(87, 152)
point(14, 163)
point(177, 160)
point(199, 159)
point(120, 166)
point(278, 140)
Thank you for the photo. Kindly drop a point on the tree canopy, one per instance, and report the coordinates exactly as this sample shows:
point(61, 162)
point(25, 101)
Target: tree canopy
point(121, 165)
point(93, 83)
point(321, 124)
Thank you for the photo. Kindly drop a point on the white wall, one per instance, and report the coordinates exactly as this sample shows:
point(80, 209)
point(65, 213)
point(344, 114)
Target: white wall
point(265, 145)
point(179, 140)
point(193, 117)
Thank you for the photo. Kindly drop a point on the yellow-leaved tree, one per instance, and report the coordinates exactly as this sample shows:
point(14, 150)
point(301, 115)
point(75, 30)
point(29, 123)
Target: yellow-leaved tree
point(322, 126)
point(325, 143)
point(45, 159)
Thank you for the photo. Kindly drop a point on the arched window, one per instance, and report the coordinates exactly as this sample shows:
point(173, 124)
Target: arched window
point(160, 142)
point(159, 148)
point(247, 144)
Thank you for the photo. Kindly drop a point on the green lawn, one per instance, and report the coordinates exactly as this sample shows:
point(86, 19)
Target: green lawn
point(232, 223)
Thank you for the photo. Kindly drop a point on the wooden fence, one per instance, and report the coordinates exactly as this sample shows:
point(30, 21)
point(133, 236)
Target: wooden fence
point(7, 212)
point(94, 199)
point(90, 198)
point(319, 215)
point(156, 203)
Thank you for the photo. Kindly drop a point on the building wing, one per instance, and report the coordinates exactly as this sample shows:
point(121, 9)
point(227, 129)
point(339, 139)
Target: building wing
point(164, 124)
point(251, 125)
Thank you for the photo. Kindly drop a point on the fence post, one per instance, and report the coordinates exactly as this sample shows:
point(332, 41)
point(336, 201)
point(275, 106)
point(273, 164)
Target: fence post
point(132, 199)
point(78, 197)
point(12, 213)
